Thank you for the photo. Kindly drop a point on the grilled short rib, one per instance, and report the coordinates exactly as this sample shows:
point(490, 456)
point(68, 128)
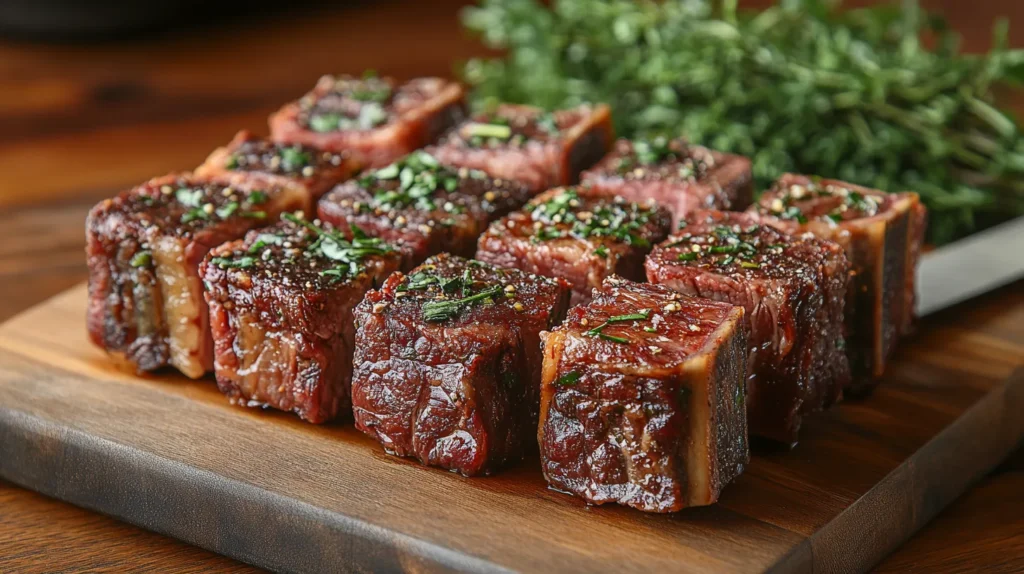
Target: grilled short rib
point(673, 173)
point(448, 362)
point(793, 290)
point(144, 248)
point(423, 207)
point(277, 163)
point(281, 304)
point(580, 238)
point(643, 399)
point(882, 235)
point(373, 119)
point(526, 144)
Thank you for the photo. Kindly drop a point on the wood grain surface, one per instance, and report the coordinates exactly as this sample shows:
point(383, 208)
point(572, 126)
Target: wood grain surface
point(77, 123)
point(173, 456)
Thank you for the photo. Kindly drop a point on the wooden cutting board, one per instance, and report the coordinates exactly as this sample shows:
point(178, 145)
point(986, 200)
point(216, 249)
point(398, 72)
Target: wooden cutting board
point(171, 455)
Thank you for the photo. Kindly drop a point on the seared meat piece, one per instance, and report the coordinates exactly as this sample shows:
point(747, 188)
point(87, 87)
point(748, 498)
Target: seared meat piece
point(580, 238)
point(281, 305)
point(882, 235)
point(642, 401)
point(792, 289)
point(448, 361)
point(423, 207)
point(372, 119)
point(682, 177)
point(316, 170)
point(144, 248)
point(541, 149)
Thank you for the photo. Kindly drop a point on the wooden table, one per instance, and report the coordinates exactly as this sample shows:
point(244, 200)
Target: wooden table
point(79, 123)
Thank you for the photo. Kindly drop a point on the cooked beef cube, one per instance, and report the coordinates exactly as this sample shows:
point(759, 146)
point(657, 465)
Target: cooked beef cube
point(448, 362)
point(423, 207)
point(281, 304)
point(792, 288)
point(642, 400)
point(682, 177)
point(144, 248)
point(372, 119)
point(580, 238)
point(882, 235)
point(316, 170)
point(541, 149)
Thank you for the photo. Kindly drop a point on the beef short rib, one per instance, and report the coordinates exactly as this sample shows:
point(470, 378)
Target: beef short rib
point(144, 248)
point(882, 235)
point(643, 400)
point(580, 238)
point(280, 164)
point(423, 207)
point(281, 305)
point(793, 290)
point(673, 173)
point(373, 119)
point(526, 144)
point(448, 360)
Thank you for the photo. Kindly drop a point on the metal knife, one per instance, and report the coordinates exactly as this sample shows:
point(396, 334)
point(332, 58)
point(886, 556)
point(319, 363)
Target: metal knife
point(970, 267)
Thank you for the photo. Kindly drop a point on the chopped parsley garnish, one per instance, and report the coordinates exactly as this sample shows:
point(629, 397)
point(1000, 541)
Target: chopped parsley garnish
point(227, 263)
point(784, 205)
point(601, 251)
point(653, 151)
point(420, 178)
point(189, 197)
point(482, 130)
point(371, 115)
point(563, 216)
point(141, 259)
point(737, 245)
point(294, 159)
point(569, 379)
point(347, 254)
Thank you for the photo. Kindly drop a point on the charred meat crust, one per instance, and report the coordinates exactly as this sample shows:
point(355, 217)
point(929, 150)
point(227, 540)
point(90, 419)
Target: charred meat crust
point(882, 235)
point(580, 237)
point(375, 120)
point(643, 398)
point(526, 144)
point(793, 290)
point(676, 174)
point(280, 164)
point(423, 207)
point(447, 362)
point(281, 304)
point(144, 248)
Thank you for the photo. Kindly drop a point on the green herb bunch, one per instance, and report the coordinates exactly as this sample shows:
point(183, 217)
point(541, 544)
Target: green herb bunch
point(802, 86)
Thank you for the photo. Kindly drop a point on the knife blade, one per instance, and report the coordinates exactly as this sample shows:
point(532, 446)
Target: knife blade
point(970, 267)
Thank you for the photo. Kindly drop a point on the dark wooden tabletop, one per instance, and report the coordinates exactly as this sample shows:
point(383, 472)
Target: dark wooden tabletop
point(78, 123)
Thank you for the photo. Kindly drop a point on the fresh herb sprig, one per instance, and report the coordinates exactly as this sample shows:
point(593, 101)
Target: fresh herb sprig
point(802, 86)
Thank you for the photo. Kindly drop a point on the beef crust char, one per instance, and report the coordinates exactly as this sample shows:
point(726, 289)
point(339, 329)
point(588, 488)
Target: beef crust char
point(793, 291)
point(526, 144)
point(282, 164)
point(447, 362)
point(882, 235)
point(680, 176)
point(374, 120)
point(144, 248)
point(642, 401)
point(281, 305)
point(423, 207)
point(581, 238)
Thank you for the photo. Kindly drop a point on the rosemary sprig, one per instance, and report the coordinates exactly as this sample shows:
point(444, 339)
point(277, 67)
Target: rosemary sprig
point(438, 311)
point(803, 86)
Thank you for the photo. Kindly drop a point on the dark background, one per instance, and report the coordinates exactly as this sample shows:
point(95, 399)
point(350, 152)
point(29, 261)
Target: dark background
point(90, 114)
